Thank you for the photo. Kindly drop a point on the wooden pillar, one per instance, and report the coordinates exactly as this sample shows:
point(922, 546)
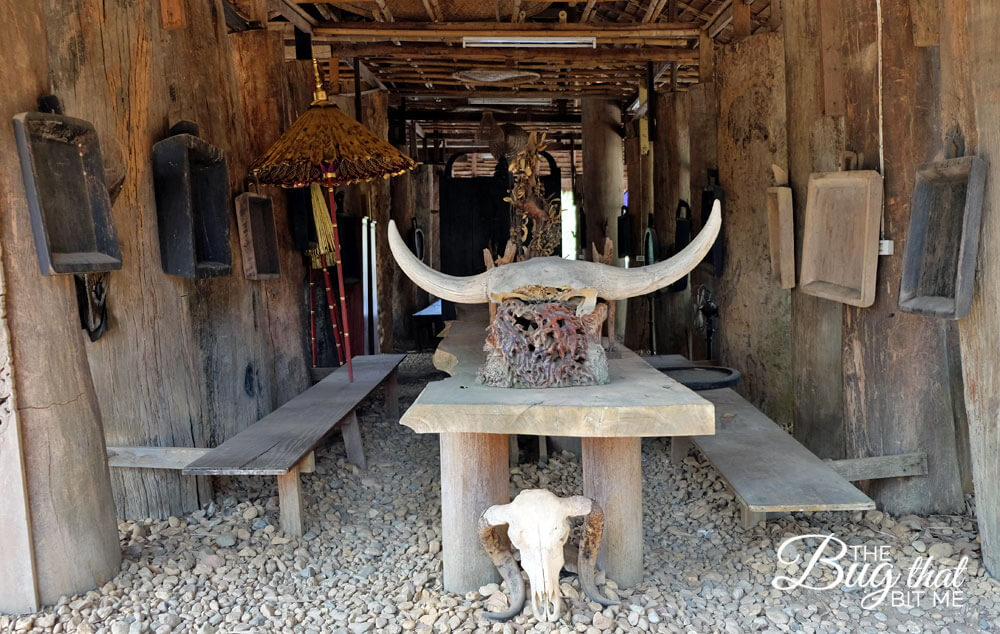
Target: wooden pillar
point(815, 142)
point(704, 116)
point(980, 332)
point(612, 475)
point(896, 382)
point(474, 476)
point(59, 531)
point(603, 169)
point(402, 209)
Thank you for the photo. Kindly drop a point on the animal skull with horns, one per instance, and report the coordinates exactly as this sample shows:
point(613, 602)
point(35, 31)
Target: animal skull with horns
point(554, 278)
point(538, 525)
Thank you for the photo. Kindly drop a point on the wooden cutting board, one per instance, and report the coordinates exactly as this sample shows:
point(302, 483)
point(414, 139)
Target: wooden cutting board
point(840, 236)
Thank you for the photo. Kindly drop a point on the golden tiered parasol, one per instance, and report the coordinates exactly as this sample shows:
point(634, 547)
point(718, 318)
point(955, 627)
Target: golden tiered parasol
point(327, 147)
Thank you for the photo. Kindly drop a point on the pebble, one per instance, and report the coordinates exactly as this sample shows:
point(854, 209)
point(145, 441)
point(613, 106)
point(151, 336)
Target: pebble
point(370, 560)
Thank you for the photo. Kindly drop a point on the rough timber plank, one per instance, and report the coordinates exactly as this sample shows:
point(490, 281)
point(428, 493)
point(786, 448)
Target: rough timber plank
point(766, 468)
point(154, 457)
point(857, 469)
point(639, 401)
point(279, 440)
point(979, 332)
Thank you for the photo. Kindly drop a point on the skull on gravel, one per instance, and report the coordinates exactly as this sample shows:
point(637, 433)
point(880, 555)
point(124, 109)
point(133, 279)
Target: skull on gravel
point(538, 525)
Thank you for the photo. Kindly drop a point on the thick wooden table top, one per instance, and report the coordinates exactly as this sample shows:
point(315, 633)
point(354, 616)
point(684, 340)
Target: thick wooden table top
point(639, 400)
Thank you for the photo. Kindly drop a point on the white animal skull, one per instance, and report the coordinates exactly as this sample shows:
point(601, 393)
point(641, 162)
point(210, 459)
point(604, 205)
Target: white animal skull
point(538, 525)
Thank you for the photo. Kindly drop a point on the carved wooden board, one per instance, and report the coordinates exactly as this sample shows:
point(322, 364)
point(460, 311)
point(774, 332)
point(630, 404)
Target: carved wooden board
point(939, 261)
point(840, 236)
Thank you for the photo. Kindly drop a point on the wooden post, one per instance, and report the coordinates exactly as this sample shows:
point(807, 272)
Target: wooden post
point(474, 476)
point(706, 57)
point(741, 19)
point(351, 432)
point(679, 448)
point(603, 168)
point(979, 333)
point(896, 384)
point(59, 535)
point(612, 475)
point(814, 143)
point(290, 502)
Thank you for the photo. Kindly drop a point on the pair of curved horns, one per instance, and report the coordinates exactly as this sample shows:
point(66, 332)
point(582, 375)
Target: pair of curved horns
point(609, 282)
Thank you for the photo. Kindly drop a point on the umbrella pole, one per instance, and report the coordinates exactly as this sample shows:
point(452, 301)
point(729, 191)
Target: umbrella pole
point(312, 313)
point(340, 280)
point(332, 305)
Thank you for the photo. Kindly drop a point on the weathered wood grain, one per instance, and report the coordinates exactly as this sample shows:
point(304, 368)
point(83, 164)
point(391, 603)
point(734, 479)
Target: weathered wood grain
point(781, 235)
point(612, 475)
point(52, 416)
point(639, 400)
point(766, 468)
point(154, 457)
point(896, 379)
point(814, 143)
point(979, 332)
point(754, 313)
point(878, 467)
point(275, 443)
point(474, 476)
point(603, 170)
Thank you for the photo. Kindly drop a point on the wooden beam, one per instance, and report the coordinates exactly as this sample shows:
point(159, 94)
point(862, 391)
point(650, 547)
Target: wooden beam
point(455, 31)
point(588, 11)
point(706, 57)
point(653, 11)
point(475, 117)
point(294, 14)
point(877, 468)
point(741, 18)
point(442, 52)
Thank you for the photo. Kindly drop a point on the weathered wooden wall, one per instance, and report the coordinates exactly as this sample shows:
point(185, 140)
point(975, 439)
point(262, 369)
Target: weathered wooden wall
point(815, 141)
point(897, 396)
point(184, 362)
point(59, 534)
point(754, 311)
point(970, 53)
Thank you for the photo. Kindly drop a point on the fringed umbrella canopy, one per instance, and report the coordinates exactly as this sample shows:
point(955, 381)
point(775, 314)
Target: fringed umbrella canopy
point(326, 146)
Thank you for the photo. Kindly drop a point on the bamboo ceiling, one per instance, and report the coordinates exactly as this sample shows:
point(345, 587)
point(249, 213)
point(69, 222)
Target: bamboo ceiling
point(413, 48)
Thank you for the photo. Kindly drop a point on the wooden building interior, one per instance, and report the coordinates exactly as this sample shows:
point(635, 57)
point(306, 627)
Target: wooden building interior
point(662, 99)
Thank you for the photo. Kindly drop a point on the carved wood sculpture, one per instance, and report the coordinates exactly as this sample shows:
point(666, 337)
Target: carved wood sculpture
point(538, 526)
point(536, 230)
point(526, 292)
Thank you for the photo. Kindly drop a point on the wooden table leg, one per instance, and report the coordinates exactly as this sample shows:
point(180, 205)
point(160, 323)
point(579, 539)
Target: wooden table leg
point(474, 476)
point(612, 475)
point(351, 431)
point(290, 502)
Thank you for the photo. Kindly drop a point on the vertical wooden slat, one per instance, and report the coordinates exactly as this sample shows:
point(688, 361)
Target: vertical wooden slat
point(831, 58)
point(706, 61)
point(741, 18)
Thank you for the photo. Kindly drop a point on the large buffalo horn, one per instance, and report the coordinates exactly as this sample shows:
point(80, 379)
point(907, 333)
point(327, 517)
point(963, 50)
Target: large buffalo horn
point(590, 542)
point(620, 283)
point(464, 290)
point(498, 547)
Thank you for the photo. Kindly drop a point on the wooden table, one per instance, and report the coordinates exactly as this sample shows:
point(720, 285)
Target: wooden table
point(473, 422)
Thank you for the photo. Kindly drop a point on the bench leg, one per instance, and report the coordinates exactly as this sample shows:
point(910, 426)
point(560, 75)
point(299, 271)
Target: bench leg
point(290, 502)
point(308, 464)
point(752, 518)
point(351, 432)
point(392, 395)
point(612, 475)
point(679, 448)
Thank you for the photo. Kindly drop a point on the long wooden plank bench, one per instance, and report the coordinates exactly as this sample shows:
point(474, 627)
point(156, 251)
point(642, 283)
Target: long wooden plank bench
point(765, 467)
point(281, 444)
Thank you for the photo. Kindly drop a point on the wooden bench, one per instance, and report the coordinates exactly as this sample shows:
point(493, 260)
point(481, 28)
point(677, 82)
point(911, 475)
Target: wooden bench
point(281, 444)
point(765, 467)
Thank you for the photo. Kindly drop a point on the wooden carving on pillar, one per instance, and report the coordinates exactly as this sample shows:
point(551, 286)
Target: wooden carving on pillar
point(536, 228)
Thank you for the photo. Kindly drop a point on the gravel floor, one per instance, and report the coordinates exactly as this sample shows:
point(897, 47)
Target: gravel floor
point(371, 558)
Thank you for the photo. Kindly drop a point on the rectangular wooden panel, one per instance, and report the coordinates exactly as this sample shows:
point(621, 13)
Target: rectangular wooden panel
point(781, 235)
point(766, 468)
point(258, 237)
point(840, 236)
point(64, 182)
point(275, 443)
point(942, 240)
